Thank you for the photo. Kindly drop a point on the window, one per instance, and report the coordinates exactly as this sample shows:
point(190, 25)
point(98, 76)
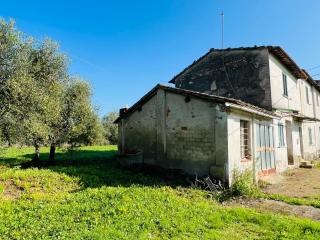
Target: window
point(244, 140)
point(310, 136)
point(307, 95)
point(285, 84)
point(281, 135)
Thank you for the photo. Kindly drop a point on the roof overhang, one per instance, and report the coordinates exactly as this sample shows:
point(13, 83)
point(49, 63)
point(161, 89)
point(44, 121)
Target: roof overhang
point(230, 102)
point(287, 61)
point(252, 111)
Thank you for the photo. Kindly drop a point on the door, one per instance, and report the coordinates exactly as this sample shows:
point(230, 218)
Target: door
point(289, 142)
point(265, 148)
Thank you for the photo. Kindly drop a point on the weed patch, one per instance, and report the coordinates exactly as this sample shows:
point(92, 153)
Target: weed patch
point(243, 185)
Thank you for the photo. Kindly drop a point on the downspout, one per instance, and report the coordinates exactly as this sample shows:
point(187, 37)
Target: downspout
point(315, 116)
point(300, 93)
point(253, 154)
point(313, 102)
point(122, 136)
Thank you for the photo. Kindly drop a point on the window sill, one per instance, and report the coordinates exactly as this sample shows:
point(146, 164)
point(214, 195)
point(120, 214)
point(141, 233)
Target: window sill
point(245, 160)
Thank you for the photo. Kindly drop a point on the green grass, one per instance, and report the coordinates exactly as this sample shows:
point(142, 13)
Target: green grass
point(312, 201)
point(86, 196)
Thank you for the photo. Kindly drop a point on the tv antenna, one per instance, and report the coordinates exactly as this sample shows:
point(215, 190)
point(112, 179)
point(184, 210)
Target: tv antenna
point(222, 28)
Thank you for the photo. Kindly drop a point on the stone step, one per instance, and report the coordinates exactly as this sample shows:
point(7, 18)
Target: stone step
point(306, 164)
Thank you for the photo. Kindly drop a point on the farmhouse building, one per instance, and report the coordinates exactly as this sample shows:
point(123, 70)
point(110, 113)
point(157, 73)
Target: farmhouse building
point(233, 109)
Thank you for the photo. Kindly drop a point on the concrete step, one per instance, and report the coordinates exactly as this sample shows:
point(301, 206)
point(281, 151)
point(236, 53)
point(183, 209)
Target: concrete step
point(306, 164)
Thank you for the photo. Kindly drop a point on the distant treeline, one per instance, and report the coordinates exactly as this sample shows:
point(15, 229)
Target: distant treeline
point(40, 103)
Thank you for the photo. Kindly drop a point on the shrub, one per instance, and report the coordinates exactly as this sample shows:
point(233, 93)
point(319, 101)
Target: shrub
point(243, 184)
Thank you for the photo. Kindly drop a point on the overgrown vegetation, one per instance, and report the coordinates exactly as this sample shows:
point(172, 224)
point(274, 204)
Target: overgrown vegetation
point(243, 184)
point(86, 196)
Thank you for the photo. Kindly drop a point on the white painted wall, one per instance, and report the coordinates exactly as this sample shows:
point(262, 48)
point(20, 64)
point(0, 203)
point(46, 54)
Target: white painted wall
point(234, 155)
point(296, 100)
point(316, 102)
point(311, 151)
point(307, 109)
point(279, 101)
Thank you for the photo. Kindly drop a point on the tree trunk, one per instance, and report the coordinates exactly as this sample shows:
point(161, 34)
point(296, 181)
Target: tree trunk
point(36, 157)
point(52, 152)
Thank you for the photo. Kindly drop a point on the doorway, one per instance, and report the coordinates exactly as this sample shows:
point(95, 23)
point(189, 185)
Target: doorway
point(265, 148)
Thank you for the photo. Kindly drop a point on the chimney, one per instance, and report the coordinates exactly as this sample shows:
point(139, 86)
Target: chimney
point(122, 112)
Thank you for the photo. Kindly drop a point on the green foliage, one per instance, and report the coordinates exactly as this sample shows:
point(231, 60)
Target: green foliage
point(17, 88)
point(85, 196)
point(110, 129)
point(312, 201)
point(40, 102)
point(316, 163)
point(79, 117)
point(243, 184)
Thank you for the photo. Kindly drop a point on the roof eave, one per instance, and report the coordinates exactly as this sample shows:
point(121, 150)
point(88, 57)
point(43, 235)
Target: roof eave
point(250, 110)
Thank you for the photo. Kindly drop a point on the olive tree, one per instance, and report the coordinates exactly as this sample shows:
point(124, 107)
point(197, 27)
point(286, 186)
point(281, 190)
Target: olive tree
point(79, 124)
point(110, 129)
point(40, 102)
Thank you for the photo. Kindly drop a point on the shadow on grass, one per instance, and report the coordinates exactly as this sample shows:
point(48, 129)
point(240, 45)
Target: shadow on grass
point(100, 168)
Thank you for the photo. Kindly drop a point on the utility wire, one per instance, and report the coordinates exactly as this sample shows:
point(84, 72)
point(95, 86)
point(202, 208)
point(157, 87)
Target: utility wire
point(318, 66)
point(315, 74)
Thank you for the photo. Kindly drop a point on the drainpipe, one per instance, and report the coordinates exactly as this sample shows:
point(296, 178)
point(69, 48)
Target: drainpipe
point(121, 115)
point(122, 136)
point(253, 154)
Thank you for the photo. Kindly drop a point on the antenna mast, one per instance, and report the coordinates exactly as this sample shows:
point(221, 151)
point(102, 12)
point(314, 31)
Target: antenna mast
point(222, 28)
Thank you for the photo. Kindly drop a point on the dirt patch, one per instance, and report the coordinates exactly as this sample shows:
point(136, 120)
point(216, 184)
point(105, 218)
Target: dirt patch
point(300, 182)
point(264, 205)
point(11, 190)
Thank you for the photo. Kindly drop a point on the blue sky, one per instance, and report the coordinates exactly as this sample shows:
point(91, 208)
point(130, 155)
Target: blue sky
point(124, 48)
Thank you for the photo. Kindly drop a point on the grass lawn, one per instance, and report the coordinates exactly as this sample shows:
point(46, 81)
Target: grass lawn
point(308, 201)
point(86, 196)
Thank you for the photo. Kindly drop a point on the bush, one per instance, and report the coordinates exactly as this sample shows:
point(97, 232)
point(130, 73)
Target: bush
point(243, 184)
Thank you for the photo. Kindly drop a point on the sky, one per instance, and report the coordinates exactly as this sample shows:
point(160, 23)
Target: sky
point(124, 48)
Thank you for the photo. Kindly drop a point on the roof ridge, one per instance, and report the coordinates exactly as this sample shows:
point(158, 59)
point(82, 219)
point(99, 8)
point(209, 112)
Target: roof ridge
point(277, 51)
point(206, 96)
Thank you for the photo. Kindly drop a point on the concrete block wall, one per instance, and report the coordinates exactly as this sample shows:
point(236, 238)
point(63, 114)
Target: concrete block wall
point(191, 128)
point(178, 132)
point(140, 130)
